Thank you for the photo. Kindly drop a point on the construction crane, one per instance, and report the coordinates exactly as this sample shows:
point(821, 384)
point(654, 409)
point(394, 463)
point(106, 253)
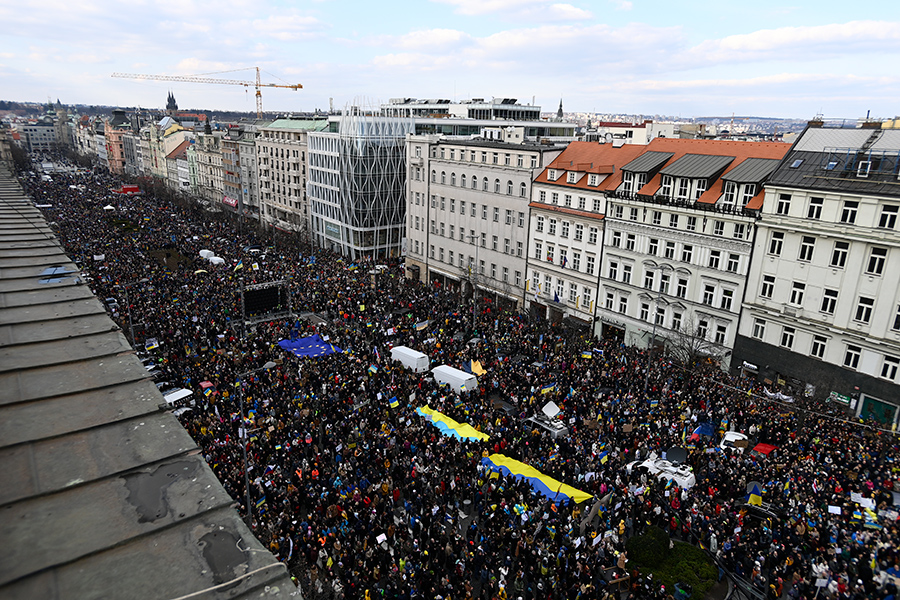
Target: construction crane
point(193, 79)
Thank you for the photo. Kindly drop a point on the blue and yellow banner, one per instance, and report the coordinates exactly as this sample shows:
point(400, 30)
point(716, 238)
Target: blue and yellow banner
point(450, 427)
point(542, 484)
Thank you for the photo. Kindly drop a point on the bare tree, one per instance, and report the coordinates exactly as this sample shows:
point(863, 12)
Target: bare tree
point(690, 344)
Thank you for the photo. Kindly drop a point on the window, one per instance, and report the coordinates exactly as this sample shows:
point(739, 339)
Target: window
point(776, 243)
point(797, 291)
point(684, 186)
point(551, 252)
point(505, 274)
point(645, 311)
point(598, 206)
point(649, 278)
point(673, 220)
point(462, 180)
point(613, 270)
point(807, 245)
point(848, 214)
point(523, 190)
point(702, 329)
point(537, 250)
point(617, 239)
point(450, 256)
point(552, 229)
point(709, 292)
point(629, 241)
point(453, 205)
point(633, 214)
point(563, 258)
point(721, 334)
point(443, 176)
point(453, 179)
point(691, 224)
point(839, 254)
point(484, 184)
point(441, 254)
point(493, 271)
point(564, 229)
point(729, 194)
point(818, 346)
point(496, 215)
point(618, 211)
point(714, 257)
point(657, 217)
point(484, 211)
point(548, 284)
point(768, 286)
point(518, 278)
point(652, 246)
point(896, 325)
point(559, 289)
point(443, 203)
point(483, 240)
point(787, 337)
point(784, 206)
point(814, 210)
point(759, 328)
point(687, 253)
point(660, 316)
point(733, 263)
point(473, 207)
point(888, 219)
point(535, 281)
point(890, 367)
point(664, 281)
point(509, 188)
point(579, 232)
point(851, 356)
point(875, 264)
point(506, 246)
point(626, 273)
point(554, 198)
point(452, 231)
point(431, 250)
point(585, 296)
point(864, 309)
point(670, 250)
point(509, 217)
point(590, 265)
point(521, 220)
point(495, 158)
point(519, 249)
point(739, 231)
point(623, 304)
point(576, 261)
point(666, 187)
point(567, 200)
point(676, 320)
point(494, 243)
point(727, 298)
point(573, 293)
point(481, 267)
point(829, 301)
point(433, 176)
point(539, 224)
point(442, 229)
point(582, 202)
point(519, 161)
point(592, 235)
point(699, 188)
point(749, 192)
point(718, 227)
point(681, 289)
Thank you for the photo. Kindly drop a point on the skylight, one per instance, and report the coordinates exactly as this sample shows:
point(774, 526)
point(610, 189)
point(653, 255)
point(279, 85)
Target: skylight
point(796, 163)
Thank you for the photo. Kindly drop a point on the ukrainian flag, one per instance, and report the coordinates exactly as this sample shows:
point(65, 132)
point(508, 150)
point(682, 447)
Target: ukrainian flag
point(546, 486)
point(548, 388)
point(587, 354)
point(373, 369)
point(654, 403)
point(755, 496)
point(394, 402)
point(604, 457)
point(240, 265)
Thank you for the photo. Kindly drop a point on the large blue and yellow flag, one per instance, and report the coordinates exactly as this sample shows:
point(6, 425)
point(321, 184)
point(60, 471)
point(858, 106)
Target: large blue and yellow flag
point(755, 496)
point(546, 389)
point(450, 427)
point(542, 484)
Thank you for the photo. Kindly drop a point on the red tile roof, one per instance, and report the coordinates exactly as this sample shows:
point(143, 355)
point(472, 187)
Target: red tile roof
point(740, 150)
point(592, 158)
point(180, 150)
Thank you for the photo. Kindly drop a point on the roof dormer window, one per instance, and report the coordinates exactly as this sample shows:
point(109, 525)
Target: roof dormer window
point(593, 180)
point(572, 177)
point(552, 175)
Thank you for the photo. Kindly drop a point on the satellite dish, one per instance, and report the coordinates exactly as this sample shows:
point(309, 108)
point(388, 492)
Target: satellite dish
point(550, 409)
point(676, 454)
point(758, 485)
point(608, 137)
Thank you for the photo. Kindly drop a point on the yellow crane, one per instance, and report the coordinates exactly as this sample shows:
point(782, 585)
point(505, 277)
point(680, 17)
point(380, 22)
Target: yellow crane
point(194, 79)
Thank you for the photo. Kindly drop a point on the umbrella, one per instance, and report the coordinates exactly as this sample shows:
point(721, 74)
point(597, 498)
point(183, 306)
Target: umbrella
point(206, 253)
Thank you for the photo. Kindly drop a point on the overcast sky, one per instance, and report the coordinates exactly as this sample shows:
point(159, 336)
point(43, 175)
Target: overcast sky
point(759, 57)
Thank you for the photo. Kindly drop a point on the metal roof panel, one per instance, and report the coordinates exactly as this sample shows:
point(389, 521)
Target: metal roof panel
point(697, 166)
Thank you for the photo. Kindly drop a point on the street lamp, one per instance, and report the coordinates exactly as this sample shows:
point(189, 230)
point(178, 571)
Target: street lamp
point(474, 272)
point(128, 302)
point(662, 268)
point(246, 437)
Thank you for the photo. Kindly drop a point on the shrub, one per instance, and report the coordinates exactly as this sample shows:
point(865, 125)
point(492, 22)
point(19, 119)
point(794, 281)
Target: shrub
point(649, 549)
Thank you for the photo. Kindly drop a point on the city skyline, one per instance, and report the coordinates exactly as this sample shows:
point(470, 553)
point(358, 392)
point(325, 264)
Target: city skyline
point(605, 57)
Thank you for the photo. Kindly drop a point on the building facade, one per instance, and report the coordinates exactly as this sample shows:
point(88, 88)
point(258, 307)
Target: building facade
point(40, 134)
point(822, 310)
point(467, 210)
point(679, 234)
point(281, 158)
point(113, 131)
point(357, 185)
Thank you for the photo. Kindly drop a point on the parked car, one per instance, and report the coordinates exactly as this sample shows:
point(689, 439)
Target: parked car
point(664, 470)
point(730, 441)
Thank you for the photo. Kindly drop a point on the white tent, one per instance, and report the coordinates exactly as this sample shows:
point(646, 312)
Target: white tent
point(207, 253)
point(109, 207)
point(217, 260)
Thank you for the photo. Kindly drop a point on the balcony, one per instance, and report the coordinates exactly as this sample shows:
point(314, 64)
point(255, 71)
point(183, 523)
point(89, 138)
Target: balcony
point(660, 200)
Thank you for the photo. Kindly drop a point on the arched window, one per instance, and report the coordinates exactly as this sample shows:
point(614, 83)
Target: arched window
point(509, 188)
point(433, 176)
point(484, 186)
point(523, 190)
point(453, 179)
point(443, 177)
point(474, 182)
point(462, 180)
point(496, 186)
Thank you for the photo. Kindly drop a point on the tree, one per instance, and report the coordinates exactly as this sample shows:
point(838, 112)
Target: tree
point(690, 344)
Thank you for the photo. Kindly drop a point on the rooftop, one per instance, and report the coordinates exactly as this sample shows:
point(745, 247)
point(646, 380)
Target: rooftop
point(104, 494)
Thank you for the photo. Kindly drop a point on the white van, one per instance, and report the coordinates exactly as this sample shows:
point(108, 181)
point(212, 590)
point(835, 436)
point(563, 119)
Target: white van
point(415, 361)
point(459, 381)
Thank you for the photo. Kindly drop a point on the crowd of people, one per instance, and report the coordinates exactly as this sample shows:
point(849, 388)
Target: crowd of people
point(362, 499)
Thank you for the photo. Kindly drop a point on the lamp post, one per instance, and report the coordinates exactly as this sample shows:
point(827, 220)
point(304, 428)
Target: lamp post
point(474, 272)
point(662, 268)
point(125, 286)
point(246, 438)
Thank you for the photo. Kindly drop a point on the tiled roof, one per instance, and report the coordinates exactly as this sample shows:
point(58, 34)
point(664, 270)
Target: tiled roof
point(180, 150)
point(103, 494)
point(592, 158)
